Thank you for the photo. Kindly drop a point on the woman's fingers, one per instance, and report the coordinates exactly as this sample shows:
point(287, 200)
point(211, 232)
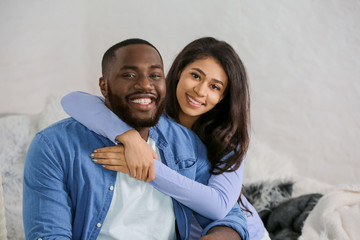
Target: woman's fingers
point(151, 175)
point(145, 174)
point(117, 148)
point(139, 155)
point(113, 162)
point(136, 160)
point(139, 174)
point(115, 155)
point(122, 169)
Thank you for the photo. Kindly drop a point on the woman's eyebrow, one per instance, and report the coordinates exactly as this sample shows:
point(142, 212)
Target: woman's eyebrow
point(218, 81)
point(199, 70)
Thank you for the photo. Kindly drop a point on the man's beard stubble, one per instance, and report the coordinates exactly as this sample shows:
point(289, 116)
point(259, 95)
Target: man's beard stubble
point(125, 114)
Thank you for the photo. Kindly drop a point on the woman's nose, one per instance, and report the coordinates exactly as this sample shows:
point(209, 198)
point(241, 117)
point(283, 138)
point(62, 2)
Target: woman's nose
point(200, 89)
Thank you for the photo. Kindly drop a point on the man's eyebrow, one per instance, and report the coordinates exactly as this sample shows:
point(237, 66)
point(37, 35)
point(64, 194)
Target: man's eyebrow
point(214, 79)
point(135, 67)
point(129, 67)
point(156, 66)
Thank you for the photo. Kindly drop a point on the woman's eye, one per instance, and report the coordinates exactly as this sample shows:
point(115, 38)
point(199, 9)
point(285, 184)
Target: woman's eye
point(195, 76)
point(215, 87)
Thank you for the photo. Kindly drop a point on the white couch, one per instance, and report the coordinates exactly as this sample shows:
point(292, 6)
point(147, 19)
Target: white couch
point(16, 133)
point(262, 164)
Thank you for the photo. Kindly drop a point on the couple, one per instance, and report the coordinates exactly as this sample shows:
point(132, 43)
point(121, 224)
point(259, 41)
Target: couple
point(68, 196)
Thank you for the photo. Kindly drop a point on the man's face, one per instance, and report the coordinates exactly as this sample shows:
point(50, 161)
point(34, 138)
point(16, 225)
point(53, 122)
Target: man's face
point(134, 89)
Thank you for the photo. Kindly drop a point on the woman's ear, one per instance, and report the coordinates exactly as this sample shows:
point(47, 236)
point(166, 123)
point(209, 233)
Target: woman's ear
point(103, 87)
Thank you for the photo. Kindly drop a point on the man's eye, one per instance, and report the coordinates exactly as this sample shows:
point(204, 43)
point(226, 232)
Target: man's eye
point(195, 76)
point(129, 75)
point(155, 76)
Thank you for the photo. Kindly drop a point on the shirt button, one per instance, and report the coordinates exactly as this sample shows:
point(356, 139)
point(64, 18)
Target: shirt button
point(98, 225)
point(111, 188)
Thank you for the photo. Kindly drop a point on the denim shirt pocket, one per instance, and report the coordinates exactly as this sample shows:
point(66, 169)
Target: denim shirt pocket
point(186, 166)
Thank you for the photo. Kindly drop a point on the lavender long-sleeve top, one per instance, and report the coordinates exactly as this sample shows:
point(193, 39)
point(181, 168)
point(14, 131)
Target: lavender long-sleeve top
point(213, 201)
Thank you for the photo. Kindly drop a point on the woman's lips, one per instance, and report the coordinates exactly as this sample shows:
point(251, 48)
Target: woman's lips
point(193, 101)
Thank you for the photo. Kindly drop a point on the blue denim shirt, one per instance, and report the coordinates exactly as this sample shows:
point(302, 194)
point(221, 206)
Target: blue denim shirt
point(67, 196)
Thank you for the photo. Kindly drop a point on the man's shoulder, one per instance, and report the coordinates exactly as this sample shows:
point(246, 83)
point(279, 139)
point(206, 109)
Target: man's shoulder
point(176, 133)
point(63, 128)
point(168, 124)
point(58, 126)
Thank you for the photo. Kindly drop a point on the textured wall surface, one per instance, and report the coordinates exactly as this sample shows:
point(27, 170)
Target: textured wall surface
point(302, 59)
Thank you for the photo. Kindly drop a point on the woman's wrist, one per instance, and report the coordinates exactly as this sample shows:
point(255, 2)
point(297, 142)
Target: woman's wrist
point(128, 137)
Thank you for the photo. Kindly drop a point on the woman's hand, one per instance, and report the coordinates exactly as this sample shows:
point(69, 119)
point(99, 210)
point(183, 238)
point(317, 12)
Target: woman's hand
point(112, 158)
point(139, 155)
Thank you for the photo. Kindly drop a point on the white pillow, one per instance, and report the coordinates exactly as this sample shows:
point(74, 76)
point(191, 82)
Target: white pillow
point(2, 213)
point(16, 133)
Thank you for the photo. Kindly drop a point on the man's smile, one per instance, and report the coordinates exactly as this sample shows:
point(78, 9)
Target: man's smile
point(142, 101)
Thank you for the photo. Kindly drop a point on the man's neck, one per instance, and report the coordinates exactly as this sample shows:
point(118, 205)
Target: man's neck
point(144, 133)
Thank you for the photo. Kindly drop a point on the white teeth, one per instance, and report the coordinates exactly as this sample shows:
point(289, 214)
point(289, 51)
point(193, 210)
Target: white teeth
point(143, 101)
point(193, 101)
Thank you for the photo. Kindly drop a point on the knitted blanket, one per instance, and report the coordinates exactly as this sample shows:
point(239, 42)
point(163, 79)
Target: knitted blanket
point(336, 216)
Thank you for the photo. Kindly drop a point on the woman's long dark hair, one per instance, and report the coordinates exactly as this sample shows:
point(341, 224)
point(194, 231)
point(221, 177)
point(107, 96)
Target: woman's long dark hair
point(225, 128)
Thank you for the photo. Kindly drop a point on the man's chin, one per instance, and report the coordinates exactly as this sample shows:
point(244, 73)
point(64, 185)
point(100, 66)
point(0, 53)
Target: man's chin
point(143, 123)
point(135, 118)
point(139, 120)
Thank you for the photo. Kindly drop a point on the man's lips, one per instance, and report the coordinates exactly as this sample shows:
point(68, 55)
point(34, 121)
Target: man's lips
point(143, 101)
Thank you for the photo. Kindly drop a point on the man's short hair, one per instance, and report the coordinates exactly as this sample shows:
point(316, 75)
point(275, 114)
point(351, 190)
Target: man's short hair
point(109, 56)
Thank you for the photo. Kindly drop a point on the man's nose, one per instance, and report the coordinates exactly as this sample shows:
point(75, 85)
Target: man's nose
point(143, 82)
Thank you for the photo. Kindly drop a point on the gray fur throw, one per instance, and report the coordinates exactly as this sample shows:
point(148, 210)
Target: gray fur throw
point(283, 216)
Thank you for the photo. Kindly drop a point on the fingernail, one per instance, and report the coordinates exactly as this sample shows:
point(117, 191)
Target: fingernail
point(103, 165)
point(95, 151)
point(91, 155)
point(95, 160)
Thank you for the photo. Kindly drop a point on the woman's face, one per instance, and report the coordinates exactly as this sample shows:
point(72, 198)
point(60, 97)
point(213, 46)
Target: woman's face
point(201, 86)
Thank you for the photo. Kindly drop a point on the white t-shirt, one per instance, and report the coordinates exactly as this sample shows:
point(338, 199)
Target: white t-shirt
point(138, 210)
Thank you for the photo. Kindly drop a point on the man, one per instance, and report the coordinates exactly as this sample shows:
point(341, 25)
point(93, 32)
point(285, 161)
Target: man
point(67, 196)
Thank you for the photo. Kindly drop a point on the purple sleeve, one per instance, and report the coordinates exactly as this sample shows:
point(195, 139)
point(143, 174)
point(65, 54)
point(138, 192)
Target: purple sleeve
point(213, 201)
point(91, 111)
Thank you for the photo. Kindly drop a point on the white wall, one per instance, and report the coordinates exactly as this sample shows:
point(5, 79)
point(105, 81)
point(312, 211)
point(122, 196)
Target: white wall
point(302, 58)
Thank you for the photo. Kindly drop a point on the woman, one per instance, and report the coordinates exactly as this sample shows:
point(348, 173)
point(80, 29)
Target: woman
point(207, 91)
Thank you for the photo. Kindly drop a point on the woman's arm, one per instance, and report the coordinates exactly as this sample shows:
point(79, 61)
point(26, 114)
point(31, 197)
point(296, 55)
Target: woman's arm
point(91, 111)
point(213, 201)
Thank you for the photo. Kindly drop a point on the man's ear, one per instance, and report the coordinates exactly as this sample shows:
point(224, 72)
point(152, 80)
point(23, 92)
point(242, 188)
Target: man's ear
point(103, 86)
